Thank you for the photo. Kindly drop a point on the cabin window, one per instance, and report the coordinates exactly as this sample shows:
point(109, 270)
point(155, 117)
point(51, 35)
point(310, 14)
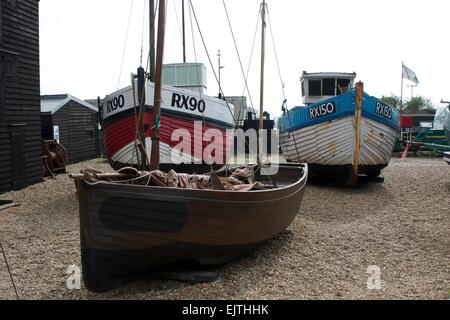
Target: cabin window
point(329, 87)
point(315, 88)
point(342, 85)
point(303, 89)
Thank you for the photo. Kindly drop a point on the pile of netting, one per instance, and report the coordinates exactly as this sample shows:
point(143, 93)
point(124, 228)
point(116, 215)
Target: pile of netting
point(238, 179)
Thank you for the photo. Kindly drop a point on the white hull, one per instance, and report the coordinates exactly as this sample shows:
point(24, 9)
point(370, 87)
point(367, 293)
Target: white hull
point(333, 143)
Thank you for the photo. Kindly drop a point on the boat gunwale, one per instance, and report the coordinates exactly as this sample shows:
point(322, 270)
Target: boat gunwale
point(301, 181)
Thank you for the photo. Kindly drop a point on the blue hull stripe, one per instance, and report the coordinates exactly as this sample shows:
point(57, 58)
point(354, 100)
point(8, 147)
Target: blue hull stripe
point(344, 106)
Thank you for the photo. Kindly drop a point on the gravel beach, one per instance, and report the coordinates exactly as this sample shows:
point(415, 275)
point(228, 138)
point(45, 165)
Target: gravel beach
point(400, 228)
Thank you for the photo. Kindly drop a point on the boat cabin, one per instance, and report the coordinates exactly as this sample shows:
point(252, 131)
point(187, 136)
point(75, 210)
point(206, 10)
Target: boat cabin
point(190, 76)
point(324, 85)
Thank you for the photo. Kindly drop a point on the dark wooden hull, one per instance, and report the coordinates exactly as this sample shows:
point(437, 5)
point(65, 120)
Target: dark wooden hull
point(128, 230)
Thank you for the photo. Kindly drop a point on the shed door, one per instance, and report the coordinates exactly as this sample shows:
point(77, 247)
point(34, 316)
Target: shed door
point(18, 157)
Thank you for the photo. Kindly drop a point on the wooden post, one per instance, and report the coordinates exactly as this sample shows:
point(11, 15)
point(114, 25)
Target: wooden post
point(141, 125)
point(154, 162)
point(358, 113)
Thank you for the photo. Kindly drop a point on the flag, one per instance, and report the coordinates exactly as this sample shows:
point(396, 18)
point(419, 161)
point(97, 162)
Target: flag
point(410, 75)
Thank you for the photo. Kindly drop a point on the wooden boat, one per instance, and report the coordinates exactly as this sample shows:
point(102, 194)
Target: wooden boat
point(341, 130)
point(128, 229)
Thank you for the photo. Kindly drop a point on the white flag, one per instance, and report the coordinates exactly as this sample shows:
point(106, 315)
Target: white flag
point(410, 75)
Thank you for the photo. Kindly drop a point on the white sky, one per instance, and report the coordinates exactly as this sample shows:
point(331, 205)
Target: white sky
point(82, 42)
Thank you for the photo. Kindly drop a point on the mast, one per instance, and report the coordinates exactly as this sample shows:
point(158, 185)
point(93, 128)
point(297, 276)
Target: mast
point(154, 162)
point(152, 40)
point(261, 97)
point(184, 32)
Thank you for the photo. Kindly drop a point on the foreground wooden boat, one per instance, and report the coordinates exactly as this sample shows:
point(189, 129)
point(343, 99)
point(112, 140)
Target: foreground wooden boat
point(342, 130)
point(136, 222)
point(127, 230)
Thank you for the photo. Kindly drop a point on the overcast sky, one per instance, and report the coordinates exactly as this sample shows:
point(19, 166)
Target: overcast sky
point(83, 41)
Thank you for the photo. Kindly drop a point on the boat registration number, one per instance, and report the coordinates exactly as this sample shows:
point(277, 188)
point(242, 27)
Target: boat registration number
point(383, 110)
point(322, 110)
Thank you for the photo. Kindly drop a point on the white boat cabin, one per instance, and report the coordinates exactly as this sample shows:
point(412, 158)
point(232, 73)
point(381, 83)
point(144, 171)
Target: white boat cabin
point(324, 85)
point(190, 76)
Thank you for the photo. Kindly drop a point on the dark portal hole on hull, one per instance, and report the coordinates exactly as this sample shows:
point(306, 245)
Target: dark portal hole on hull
point(140, 215)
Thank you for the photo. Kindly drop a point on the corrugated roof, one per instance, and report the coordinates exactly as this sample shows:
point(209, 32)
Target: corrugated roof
point(52, 103)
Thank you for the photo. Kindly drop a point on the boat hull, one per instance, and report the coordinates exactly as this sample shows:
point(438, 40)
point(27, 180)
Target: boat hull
point(185, 118)
point(447, 157)
point(128, 230)
point(328, 144)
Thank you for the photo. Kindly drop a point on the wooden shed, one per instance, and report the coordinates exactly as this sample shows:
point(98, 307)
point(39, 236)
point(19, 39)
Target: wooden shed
point(20, 124)
point(74, 123)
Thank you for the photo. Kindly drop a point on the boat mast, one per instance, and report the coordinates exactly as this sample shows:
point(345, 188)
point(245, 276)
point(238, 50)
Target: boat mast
point(154, 162)
point(152, 40)
point(261, 97)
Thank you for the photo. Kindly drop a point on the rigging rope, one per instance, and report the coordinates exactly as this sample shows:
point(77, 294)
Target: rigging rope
point(237, 52)
point(9, 271)
point(276, 55)
point(125, 44)
point(210, 61)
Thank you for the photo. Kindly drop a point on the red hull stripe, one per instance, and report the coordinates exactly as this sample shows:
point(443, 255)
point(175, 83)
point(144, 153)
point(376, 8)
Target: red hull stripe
point(120, 133)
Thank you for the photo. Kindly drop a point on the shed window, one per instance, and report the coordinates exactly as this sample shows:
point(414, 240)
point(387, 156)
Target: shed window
point(315, 88)
point(329, 87)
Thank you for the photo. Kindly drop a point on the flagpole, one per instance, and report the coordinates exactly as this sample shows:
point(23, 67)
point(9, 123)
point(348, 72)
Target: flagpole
point(401, 93)
point(401, 105)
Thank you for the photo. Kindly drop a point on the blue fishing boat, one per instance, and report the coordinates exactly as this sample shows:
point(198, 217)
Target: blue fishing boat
point(341, 130)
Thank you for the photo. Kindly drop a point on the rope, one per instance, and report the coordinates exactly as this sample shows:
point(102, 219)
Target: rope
point(276, 55)
point(284, 106)
point(238, 55)
point(142, 36)
point(125, 44)
point(9, 271)
point(210, 61)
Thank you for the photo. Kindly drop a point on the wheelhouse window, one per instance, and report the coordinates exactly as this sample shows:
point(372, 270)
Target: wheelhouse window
point(315, 88)
point(342, 85)
point(329, 87)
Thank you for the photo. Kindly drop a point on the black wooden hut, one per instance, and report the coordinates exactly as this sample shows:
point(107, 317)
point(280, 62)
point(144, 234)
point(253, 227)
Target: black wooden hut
point(20, 124)
point(74, 123)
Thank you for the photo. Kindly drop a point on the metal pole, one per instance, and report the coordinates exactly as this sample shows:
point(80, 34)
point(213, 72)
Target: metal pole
point(152, 40)
point(184, 32)
point(154, 163)
point(219, 67)
point(401, 107)
point(261, 92)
